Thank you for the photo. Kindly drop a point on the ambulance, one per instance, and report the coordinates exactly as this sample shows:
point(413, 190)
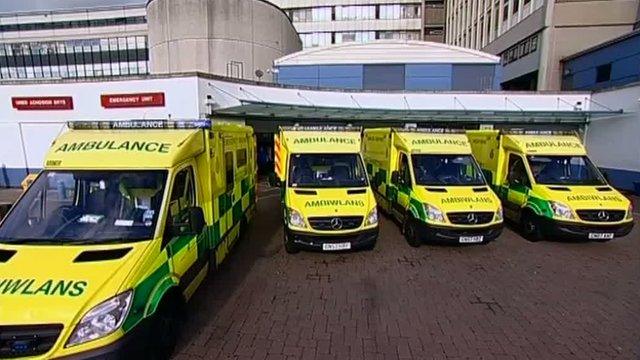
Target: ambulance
point(430, 183)
point(326, 199)
point(101, 253)
point(549, 186)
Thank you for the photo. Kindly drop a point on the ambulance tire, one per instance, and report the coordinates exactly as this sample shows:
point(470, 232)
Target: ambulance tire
point(165, 329)
point(410, 232)
point(531, 228)
point(289, 246)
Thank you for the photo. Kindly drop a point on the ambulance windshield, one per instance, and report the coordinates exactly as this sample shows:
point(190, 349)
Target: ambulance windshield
point(326, 171)
point(87, 207)
point(565, 170)
point(447, 170)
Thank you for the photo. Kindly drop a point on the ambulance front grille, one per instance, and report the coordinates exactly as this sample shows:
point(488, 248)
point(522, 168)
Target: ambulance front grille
point(27, 340)
point(470, 218)
point(336, 222)
point(601, 215)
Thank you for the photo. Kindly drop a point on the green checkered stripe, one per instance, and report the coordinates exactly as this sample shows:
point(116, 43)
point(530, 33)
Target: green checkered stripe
point(381, 184)
point(217, 238)
point(538, 205)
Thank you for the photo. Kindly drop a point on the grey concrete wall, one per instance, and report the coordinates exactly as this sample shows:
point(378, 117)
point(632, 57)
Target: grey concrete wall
point(222, 37)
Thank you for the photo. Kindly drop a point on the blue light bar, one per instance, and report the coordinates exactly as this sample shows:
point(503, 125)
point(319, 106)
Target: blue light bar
point(139, 124)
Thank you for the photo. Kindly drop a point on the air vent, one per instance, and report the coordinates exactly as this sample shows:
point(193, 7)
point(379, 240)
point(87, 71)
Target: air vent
point(101, 255)
point(559, 188)
point(480, 189)
point(604, 189)
point(438, 190)
point(305, 192)
point(355, 192)
point(5, 255)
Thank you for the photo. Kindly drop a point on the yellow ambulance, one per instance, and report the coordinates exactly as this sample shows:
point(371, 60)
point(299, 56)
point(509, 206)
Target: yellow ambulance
point(549, 186)
point(428, 180)
point(326, 199)
point(100, 254)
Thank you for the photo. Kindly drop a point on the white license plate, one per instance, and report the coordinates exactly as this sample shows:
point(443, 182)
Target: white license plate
point(600, 236)
point(471, 239)
point(336, 247)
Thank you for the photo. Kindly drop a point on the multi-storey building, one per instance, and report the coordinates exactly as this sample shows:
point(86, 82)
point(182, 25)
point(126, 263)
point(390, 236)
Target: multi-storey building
point(326, 22)
point(532, 36)
point(108, 41)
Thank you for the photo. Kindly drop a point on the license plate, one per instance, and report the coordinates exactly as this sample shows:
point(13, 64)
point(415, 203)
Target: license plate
point(600, 236)
point(471, 239)
point(336, 247)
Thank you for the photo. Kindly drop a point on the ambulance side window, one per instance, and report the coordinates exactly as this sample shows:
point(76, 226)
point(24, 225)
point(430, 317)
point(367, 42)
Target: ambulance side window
point(228, 165)
point(182, 194)
point(517, 174)
point(241, 157)
point(403, 169)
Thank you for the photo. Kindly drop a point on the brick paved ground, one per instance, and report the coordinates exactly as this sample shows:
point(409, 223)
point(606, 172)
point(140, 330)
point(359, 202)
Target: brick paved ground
point(507, 300)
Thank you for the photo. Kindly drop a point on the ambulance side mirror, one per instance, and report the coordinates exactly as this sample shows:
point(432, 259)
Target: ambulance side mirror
point(274, 181)
point(192, 222)
point(395, 178)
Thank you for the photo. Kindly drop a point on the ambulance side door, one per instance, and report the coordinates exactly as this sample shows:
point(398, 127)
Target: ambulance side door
point(402, 183)
point(517, 185)
point(185, 222)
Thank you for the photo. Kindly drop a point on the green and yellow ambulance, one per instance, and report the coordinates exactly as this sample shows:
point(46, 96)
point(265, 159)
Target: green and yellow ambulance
point(327, 202)
point(429, 181)
point(549, 186)
point(102, 251)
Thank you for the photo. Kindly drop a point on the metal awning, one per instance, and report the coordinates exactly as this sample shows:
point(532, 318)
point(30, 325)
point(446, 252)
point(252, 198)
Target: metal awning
point(288, 112)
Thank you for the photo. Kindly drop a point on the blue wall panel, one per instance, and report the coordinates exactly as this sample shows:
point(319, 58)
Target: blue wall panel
point(301, 72)
point(428, 70)
point(624, 57)
point(298, 82)
point(341, 82)
point(334, 71)
point(428, 83)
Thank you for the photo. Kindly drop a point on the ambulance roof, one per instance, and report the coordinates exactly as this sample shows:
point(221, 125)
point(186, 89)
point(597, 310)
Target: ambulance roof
point(434, 142)
point(545, 144)
point(117, 149)
point(297, 141)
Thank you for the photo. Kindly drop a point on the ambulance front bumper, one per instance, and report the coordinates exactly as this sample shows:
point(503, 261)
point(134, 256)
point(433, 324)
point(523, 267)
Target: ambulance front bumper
point(458, 235)
point(364, 239)
point(579, 231)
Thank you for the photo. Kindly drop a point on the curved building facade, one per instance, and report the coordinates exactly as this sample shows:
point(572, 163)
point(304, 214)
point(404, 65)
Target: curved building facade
point(232, 38)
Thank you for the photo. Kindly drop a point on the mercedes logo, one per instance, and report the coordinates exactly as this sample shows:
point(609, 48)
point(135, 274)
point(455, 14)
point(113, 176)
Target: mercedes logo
point(472, 219)
point(603, 215)
point(336, 224)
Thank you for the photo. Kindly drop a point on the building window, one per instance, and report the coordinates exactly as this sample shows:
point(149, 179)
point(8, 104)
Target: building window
point(603, 73)
point(367, 12)
point(399, 35)
point(355, 36)
point(84, 58)
point(394, 12)
point(317, 14)
point(75, 24)
point(310, 40)
point(241, 157)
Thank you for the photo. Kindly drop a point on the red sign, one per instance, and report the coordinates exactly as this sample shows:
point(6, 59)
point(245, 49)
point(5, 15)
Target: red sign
point(132, 100)
point(43, 103)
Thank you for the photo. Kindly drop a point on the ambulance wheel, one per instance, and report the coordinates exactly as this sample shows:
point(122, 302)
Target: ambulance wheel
point(289, 246)
point(165, 330)
point(410, 232)
point(531, 228)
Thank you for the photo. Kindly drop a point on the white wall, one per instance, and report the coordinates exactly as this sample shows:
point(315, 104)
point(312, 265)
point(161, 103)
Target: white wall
point(613, 142)
point(26, 135)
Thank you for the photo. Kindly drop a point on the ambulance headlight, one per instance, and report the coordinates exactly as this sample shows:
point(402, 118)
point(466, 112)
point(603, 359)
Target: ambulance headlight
point(372, 218)
point(295, 219)
point(561, 210)
point(433, 213)
point(499, 214)
point(630, 213)
point(102, 320)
